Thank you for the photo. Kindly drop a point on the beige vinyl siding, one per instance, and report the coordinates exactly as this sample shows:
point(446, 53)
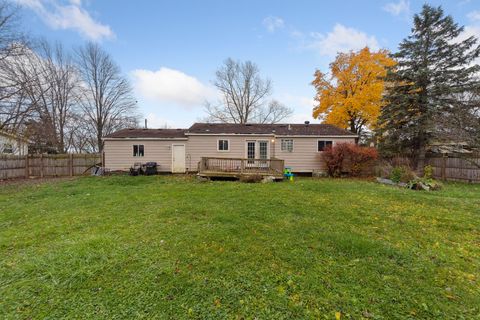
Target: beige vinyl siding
point(206, 146)
point(305, 157)
point(119, 153)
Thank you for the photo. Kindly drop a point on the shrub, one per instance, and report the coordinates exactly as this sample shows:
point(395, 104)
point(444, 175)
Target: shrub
point(396, 174)
point(347, 158)
point(428, 172)
point(423, 183)
point(402, 174)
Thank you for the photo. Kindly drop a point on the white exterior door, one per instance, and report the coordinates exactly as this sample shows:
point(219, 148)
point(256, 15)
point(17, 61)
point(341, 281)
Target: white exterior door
point(257, 149)
point(178, 158)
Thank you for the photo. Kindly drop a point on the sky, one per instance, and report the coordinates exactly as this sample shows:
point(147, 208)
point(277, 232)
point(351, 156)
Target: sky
point(170, 50)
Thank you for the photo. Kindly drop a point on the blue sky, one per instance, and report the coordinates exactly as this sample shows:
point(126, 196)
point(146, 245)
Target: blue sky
point(170, 49)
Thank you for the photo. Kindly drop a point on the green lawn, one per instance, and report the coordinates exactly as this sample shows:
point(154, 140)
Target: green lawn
point(172, 247)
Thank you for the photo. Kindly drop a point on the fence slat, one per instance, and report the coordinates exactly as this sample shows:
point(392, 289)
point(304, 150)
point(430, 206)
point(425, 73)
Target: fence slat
point(46, 165)
point(452, 167)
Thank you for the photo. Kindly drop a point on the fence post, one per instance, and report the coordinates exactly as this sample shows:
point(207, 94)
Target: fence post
point(444, 166)
point(27, 168)
point(70, 161)
point(41, 165)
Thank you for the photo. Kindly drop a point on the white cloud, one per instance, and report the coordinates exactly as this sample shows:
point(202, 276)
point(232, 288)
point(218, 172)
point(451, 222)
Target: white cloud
point(172, 86)
point(156, 122)
point(341, 39)
point(398, 8)
point(69, 16)
point(273, 23)
point(474, 15)
point(302, 107)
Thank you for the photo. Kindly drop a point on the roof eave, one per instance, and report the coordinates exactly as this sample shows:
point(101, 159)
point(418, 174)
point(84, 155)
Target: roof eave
point(140, 138)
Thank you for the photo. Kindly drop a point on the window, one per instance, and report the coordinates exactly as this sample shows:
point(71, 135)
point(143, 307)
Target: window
point(287, 145)
point(7, 148)
point(222, 145)
point(323, 144)
point(138, 150)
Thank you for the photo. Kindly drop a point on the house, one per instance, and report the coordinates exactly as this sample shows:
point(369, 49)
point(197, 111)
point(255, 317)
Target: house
point(180, 150)
point(12, 144)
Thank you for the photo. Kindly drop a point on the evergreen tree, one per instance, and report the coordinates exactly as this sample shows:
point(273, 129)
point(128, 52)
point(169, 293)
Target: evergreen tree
point(435, 66)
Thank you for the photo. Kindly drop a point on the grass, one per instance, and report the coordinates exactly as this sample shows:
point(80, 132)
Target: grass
point(172, 247)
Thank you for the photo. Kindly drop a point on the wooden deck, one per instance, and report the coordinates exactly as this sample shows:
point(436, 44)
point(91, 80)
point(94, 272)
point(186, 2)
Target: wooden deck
point(238, 167)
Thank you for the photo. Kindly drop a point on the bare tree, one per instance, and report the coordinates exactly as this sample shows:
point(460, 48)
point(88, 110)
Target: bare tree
point(244, 96)
point(13, 110)
point(106, 97)
point(273, 112)
point(62, 79)
point(11, 38)
point(48, 83)
point(461, 123)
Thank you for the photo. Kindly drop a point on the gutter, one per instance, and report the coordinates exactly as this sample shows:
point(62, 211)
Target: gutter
point(141, 139)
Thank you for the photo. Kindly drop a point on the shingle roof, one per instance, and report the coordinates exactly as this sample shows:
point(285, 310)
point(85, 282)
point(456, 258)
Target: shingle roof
point(313, 129)
point(148, 133)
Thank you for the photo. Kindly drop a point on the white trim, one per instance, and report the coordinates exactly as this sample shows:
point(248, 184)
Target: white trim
point(281, 144)
point(231, 134)
point(271, 135)
point(228, 150)
point(316, 146)
point(184, 157)
point(268, 148)
point(138, 149)
point(246, 148)
point(139, 139)
point(257, 148)
point(317, 136)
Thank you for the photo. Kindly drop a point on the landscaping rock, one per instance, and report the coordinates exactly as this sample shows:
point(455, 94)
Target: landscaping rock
point(386, 181)
point(202, 179)
point(319, 174)
point(268, 179)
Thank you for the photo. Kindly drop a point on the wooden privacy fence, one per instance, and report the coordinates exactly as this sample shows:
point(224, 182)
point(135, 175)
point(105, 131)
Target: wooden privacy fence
point(455, 167)
point(448, 167)
point(46, 165)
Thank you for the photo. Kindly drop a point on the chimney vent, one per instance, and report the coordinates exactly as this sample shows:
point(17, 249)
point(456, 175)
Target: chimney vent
point(307, 122)
point(289, 127)
point(145, 123)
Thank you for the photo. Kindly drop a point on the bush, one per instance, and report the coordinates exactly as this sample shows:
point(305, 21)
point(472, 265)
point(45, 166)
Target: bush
point(427, 184)
point(402, 174)
point(347, 158)
point(428, 172)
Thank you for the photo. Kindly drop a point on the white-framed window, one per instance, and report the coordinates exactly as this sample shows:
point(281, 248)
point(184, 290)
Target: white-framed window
point(323, 144)
point(7, 148)
point(138, 150)
point(287, 145)
point(223, 145)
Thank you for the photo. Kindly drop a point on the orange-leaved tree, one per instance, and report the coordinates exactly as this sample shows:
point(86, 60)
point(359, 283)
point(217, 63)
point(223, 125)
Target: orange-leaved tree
point(351, 95)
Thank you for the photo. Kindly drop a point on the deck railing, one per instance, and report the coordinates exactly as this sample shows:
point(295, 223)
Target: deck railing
point(241, 166)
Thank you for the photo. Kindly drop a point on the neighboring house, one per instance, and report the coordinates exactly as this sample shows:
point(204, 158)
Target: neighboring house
point(13, 144)
point(180, 150)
